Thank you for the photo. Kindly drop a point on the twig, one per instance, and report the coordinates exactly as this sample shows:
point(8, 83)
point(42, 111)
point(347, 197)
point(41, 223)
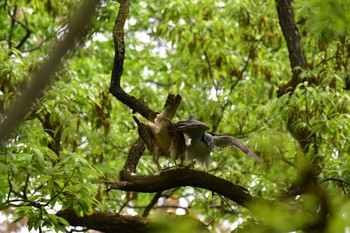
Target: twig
point(152, 204)
point(342, 182)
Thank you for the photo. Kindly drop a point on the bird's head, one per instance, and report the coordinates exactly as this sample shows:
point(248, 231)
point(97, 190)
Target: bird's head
point(207, 139)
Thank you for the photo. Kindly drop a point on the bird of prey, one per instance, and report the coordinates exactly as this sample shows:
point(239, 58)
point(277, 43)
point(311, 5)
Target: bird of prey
point(158, 136)
point(202, 143)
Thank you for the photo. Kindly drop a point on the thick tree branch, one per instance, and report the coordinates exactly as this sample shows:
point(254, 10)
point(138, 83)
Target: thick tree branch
point(293, 40)
point(298, 62)
point(303, 135)
point(186, 177)
point(107, 222)
point(115, 88)
point(133, 158)
point(119, 49)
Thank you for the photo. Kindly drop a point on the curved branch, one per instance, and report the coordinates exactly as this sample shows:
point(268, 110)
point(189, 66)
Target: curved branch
point(14, 20)
point(342, 182)
point(119, 50)
point(299, 219)
point(186, 177)
point(335, 179)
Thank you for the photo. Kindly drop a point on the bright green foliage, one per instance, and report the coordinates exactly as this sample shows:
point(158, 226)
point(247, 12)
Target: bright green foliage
point(226, 59)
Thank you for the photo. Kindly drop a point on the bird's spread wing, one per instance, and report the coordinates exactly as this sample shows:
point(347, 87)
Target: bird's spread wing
point(224, 141)
point(192, 127)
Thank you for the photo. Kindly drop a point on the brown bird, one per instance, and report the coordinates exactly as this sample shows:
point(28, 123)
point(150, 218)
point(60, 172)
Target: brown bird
point(158, 136)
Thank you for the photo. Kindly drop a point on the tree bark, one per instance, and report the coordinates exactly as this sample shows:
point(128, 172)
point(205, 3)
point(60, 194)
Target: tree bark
point(186, 177)
point(299, 219)
point(293, 39)
point(117, 223)
point(107, 222)
point(117, 70)
point(298, 62)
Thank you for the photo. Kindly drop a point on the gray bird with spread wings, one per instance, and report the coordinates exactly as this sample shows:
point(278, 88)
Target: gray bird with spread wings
point(202, 143)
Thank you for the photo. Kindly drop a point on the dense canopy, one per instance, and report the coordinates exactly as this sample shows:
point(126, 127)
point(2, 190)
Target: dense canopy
point(273, 74)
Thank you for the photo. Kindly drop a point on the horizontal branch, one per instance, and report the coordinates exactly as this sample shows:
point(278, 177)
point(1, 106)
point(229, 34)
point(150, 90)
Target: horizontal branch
point(263, 209)
point(106, 222)
point(179, 177)
point(116, 223)
point(186, 177)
